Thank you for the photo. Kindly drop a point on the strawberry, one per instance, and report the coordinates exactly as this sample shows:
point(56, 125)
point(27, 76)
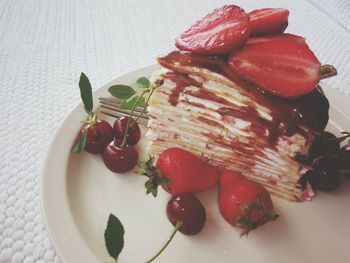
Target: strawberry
point(277, 37)
point(218, 33)
point(281, 65)
point(268, 21)
point(244, 203)
point(178, 171)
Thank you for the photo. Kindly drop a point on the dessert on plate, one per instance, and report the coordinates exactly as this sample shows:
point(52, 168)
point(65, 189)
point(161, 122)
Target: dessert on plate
point(251, 106)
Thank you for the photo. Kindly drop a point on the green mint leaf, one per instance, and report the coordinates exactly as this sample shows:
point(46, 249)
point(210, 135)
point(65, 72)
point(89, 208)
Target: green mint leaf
point(86, 92)
point(80, 144)
point(114, 236)
point(143, 82)
point(122, 92)
point(129, 103)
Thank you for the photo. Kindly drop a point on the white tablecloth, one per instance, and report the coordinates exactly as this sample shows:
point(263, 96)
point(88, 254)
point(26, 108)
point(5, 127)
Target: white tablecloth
point(44, 45)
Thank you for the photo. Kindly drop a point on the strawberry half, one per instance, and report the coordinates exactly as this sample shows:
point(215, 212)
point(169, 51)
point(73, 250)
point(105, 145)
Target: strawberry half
point(244, 203)
point(283, 66)
point(268, 21)
point(274, 38)
point(218, 33)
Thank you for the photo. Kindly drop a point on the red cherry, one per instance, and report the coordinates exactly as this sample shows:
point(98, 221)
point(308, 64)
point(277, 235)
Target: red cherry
point(134, 132)
point(325, 175)
point(98, 136)
point(186, 208)
point(120, 159)
point(343, 160)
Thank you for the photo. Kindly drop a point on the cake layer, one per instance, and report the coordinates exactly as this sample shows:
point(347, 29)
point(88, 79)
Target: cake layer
point(214, 115)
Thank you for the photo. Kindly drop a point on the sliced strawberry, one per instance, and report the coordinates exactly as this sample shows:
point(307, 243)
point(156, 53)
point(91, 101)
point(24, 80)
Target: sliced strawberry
point(286, 69)
point(218, 33)
point(268, 21)
point(274, 38)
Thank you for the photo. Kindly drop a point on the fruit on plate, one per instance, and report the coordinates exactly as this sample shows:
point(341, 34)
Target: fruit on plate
point(189, 211)
point(120, 158)
point(268, 21)
point(244, 203)
point(324, 144)
point(343, 159)
point(98, 135)
point(325, 175)
point(287, 69)
point(134, 132)
point(276, 38)
point(221, 31)
point(186, 173)
point(95, 134)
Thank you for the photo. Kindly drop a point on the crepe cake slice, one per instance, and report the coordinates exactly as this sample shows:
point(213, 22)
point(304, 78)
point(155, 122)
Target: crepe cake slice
point(204, 108)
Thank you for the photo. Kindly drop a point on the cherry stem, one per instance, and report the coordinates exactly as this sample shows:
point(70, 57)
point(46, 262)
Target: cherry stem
point(177, 227)
point(151, 88)
point(144, 108)
point(130, 115)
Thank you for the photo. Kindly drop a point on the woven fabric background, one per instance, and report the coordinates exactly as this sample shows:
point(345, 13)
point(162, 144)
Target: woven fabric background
point(44, 45)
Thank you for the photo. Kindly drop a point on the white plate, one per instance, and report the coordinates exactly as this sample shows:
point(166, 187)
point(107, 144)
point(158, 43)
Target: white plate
point(79, 193)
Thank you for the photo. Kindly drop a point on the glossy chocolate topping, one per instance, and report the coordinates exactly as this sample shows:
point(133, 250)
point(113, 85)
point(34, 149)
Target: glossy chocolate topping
point(289, 115)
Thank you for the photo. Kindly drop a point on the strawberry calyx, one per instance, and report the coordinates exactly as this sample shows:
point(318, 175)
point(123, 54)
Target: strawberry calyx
point(155, 178)
point(254, 215)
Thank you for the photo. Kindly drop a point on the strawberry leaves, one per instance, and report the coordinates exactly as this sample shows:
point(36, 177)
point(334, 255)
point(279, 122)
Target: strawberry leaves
point(155, 179)
point(114, 237)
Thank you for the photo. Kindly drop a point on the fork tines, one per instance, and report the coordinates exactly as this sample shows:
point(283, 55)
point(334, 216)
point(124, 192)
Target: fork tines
point(111, 107)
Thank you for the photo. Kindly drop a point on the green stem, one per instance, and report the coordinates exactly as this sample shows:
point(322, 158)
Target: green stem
point(130, 115)
point(116, 260)
point(144, 108)
point(177, 227)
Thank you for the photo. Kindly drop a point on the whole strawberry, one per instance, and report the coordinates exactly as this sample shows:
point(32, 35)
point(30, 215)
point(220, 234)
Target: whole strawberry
point(179, 171)
point(244, 203)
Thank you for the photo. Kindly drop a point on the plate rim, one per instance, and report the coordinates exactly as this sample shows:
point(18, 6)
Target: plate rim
point(59, 238)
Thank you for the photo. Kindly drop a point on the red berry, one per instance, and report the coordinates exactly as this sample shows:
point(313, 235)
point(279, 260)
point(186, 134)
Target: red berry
point(283, 68)
point(218, 33)
point(324, 144)
point(268, 21)
point(343, 160)
point(187, 209)
point(244, 203)
point(120, 159)
point(186, 172)
point(134, 132)
point(98, 136)
point(325, 175)
point(276, 38)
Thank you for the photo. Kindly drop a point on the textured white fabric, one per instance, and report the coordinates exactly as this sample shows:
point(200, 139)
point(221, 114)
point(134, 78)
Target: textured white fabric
point(44, 45)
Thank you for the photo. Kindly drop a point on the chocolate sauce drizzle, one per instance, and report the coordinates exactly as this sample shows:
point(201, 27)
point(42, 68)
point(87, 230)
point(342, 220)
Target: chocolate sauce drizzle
point(288, 115)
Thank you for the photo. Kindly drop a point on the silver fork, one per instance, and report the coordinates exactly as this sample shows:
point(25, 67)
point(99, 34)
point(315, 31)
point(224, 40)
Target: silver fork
point(111, 107)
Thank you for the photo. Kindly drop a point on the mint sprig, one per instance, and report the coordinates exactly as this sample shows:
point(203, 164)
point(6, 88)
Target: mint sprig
point(114, 237)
